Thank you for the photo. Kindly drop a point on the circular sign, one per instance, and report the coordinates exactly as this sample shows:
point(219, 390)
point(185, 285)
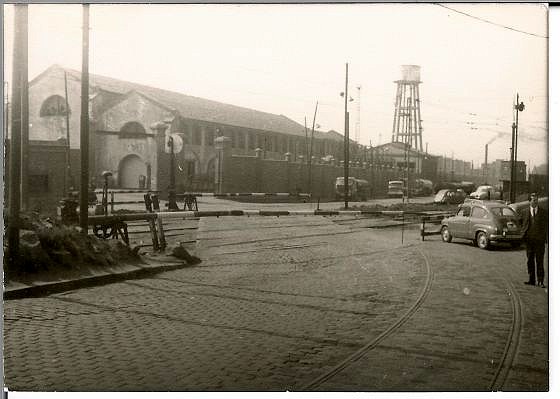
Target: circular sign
point(177, 143)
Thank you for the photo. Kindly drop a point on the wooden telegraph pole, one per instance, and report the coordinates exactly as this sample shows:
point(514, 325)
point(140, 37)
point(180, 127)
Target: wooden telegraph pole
point(346, 141)
point(84, 123)
point(519, 106)
point(68, 173)
point(24, 111)
point(14, 201)
point(310, 157)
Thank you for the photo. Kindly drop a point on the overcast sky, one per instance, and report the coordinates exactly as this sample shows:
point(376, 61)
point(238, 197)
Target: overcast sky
point(283, 58)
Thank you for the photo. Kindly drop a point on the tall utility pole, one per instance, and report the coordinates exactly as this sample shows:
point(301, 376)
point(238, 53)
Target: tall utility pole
point(519, 106)
point(14, 201)
point(310, 158)
point(306, 139)
point(84, 123)
point(346, 141)
point(485, 170)
point(24, 114)
point(511, 164)
point(68, 173)
point(6, 110)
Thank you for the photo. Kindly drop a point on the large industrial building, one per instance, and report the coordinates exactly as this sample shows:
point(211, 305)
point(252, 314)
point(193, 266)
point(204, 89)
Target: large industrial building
point(130, 125)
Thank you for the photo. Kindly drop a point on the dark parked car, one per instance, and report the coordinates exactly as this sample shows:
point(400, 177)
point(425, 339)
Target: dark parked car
point(483, 222)
point(450, 196)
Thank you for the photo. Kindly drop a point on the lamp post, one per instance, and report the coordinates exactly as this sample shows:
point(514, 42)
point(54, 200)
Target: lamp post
point(519, 107)
point(172, 198)
point(346, 141)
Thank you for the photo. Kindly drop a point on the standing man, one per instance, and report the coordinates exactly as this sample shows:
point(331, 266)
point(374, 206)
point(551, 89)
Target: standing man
point(535, 234)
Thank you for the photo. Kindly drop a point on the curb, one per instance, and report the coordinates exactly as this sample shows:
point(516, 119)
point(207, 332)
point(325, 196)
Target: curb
point(48, 288)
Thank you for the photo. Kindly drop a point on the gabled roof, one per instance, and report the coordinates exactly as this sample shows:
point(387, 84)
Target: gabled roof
point(200, 108)
point(399, 146)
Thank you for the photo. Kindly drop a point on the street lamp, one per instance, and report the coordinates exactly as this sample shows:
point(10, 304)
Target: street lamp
point(346, 140)
point(519, 107)
point(172, 200)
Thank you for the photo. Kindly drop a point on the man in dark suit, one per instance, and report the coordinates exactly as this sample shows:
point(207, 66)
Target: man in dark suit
point(535, 234)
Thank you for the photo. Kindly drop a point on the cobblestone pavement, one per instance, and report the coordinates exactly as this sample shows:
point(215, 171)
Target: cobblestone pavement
point(276, 304)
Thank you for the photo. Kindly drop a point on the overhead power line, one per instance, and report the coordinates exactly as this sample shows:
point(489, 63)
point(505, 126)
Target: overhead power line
point(491, 22)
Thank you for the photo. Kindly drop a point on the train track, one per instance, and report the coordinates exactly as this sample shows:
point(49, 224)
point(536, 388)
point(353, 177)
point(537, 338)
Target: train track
point(512, 343)
point(375, 341)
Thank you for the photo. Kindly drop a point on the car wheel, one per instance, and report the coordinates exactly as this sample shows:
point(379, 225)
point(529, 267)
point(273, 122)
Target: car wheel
point(445, 234)
point(482, 240)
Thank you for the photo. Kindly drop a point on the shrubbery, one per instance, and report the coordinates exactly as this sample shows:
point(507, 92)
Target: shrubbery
point(46, 245)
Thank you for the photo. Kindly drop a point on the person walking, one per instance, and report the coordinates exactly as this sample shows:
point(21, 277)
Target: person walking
point(535, 235)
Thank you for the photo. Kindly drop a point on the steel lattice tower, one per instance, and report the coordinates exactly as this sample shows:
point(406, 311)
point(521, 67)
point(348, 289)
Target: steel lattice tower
point(407, 123)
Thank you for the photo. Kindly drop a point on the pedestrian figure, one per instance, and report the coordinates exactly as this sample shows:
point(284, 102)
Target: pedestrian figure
point(535, 235)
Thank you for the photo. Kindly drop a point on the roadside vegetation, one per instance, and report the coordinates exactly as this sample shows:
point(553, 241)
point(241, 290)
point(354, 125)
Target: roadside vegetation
point(48, 246)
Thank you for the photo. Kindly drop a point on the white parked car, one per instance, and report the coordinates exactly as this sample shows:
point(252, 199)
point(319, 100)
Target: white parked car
point(485, 192)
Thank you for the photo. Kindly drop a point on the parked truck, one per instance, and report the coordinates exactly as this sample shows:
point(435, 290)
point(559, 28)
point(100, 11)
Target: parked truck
point(358, 189)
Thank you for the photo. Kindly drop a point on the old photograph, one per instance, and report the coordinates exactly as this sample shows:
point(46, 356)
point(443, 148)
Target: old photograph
point(336, 197)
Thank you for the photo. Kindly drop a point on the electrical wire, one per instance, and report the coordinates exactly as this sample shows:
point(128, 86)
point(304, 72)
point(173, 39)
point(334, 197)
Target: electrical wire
point(491, 22)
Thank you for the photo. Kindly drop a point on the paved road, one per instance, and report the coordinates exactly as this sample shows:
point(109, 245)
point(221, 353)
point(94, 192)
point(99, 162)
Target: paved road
point(279, 303)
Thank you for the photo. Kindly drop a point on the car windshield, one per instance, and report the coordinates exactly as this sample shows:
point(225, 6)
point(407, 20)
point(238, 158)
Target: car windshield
point(502, 211)
point(440, 194)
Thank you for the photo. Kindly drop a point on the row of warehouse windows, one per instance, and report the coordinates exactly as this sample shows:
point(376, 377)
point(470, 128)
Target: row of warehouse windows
point(56, 106)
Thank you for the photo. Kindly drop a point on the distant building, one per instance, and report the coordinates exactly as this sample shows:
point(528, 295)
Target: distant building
point(500, 171)
point(130, 125)
point(393, 155)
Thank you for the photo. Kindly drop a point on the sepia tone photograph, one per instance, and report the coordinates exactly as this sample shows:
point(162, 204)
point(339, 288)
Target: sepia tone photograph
point(333, 197)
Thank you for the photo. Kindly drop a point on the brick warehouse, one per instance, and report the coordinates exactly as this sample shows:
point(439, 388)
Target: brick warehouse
point(130, 124)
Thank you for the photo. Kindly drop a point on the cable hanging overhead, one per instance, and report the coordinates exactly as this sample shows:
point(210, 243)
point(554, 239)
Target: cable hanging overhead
point(491, 23)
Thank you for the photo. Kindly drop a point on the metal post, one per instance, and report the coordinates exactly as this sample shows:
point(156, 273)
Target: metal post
point(24, 112)
point(112, 202)
point(6, 111)
point(485, 171)
point(310, 163)
point(346, 141)
point(68, 172)
point(15, 141)
point(84, 123)
point(511, 192)
point(172, 203)
point(519, 106)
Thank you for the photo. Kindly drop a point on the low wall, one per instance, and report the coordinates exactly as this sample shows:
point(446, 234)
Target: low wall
point(235, 173)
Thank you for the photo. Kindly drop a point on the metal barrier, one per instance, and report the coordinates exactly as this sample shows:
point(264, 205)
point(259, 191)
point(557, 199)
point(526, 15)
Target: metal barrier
point(437, 218)
point(303, 195)
point(100, 191)
point(189, 198)
point(114, 226)
point(257, 212)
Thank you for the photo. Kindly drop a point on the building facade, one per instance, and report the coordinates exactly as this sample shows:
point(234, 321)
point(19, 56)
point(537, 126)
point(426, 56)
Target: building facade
point(131, 126)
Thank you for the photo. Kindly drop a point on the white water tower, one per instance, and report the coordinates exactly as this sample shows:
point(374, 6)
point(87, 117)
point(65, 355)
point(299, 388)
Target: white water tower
point(407, 123)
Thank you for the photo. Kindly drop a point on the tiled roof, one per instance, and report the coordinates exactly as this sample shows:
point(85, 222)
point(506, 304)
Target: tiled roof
point(205, 110)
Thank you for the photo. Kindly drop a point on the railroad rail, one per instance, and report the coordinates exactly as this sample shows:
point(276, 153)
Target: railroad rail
point(375, 341)
point(512, 343)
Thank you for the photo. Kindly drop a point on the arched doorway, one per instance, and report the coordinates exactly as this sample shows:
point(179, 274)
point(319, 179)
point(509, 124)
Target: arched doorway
point(130, 171)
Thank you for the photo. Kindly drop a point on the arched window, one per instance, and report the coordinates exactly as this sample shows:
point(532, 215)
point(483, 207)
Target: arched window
point(133, 127)
point(53, 106)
